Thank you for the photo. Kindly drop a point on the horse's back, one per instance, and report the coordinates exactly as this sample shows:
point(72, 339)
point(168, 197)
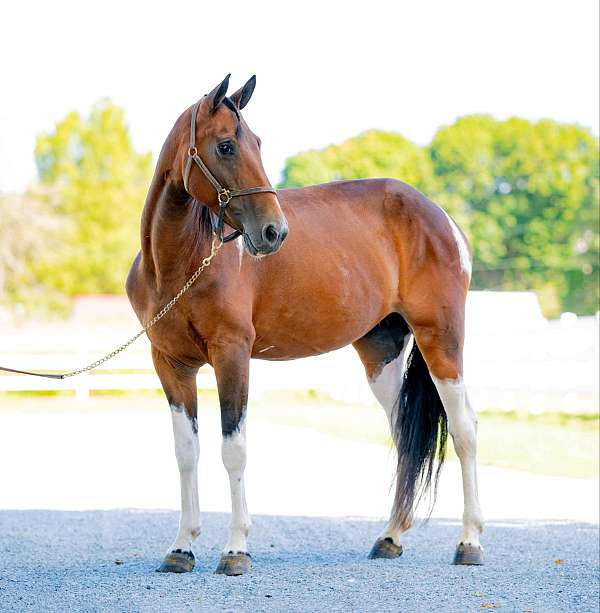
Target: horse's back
point(409, 226)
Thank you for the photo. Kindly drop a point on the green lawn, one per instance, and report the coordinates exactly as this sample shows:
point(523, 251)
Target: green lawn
point(559, 445)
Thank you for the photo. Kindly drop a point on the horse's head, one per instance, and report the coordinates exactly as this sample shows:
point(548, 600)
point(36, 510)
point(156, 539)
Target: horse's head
point(221, 162)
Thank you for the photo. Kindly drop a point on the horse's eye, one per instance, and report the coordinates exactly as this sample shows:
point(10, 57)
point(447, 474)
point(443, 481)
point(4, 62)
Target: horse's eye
point(225, 148)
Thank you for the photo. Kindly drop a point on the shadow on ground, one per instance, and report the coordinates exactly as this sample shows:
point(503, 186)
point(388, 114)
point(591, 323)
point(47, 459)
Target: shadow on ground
point(105, 561)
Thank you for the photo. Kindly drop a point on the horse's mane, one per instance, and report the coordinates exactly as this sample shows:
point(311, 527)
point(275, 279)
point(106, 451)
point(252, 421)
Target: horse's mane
point(202, 223)
point(198, 225)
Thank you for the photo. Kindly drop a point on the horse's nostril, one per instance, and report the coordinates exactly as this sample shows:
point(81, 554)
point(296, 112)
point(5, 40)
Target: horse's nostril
point(270, 233)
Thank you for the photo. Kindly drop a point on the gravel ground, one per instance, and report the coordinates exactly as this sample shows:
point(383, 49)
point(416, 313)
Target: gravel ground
point(309, 557)
point(105, 560)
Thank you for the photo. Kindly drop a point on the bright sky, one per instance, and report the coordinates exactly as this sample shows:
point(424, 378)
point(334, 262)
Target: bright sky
point(326, 70)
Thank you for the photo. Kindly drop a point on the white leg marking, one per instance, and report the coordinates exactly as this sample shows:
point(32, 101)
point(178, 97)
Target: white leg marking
point(233, 452)
point(463, 250)
point(187, 452)
point(386, 388)
point(462, 424)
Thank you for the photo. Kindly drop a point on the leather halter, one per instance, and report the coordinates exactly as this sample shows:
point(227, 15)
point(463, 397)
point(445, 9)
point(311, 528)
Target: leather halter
point(224, 194)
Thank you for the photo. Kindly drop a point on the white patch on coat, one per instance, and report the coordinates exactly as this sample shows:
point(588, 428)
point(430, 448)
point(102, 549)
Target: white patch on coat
point(462, 425)
point(233, 452)
point(187, 452)
point(386, 384)
point(239, 243)
point(463, 250)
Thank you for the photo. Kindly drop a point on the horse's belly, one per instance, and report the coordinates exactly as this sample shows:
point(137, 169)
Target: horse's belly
point(324, 290)
point(315, 322)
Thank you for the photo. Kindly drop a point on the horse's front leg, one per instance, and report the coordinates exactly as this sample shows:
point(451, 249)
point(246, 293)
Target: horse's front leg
point(231, 363)
point(179, 384)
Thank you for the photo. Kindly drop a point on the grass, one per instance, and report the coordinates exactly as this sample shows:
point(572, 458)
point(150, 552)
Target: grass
point(554, 444)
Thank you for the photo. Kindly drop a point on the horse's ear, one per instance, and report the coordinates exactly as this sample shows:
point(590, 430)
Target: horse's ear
point(218, 93)
point(243, 95)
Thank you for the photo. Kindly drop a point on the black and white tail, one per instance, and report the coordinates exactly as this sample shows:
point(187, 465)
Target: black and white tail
point(420, 433)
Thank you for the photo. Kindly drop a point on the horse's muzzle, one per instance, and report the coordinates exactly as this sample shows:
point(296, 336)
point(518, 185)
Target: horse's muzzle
point(266, 241)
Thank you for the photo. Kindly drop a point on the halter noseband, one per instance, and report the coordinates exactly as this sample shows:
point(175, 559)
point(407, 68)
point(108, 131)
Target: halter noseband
point(224, 194)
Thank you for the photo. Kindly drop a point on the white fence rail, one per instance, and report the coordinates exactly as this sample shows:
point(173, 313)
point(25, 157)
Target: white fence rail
point(514, 359)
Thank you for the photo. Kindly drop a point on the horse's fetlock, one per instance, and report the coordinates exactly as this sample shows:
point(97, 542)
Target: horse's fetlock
point(242, 526)
point(474, 519)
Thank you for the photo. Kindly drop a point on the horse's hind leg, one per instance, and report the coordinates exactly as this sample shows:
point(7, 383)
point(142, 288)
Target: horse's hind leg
point(179, 384)
point(382, 352)
point(441, 347)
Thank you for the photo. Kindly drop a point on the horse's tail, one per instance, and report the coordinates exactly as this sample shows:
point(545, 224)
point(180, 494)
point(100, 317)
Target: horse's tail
point(420, 432)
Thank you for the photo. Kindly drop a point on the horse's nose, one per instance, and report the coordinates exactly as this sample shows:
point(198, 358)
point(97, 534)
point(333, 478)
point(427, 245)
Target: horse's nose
point(274, 235)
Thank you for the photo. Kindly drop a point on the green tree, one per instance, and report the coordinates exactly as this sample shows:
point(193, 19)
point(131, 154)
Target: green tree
point(99, 183)
point(526, 193)
point(372, 154)
point(528, 196)
point(28, 228)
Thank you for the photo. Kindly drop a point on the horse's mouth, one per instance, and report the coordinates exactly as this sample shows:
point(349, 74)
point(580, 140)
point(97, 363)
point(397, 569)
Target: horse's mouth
point(251, 249)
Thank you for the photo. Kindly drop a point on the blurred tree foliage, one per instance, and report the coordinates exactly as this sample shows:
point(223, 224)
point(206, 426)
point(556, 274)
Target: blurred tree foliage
point(525, 193)
point(530, 194)
point(98, 183)
point(29, 227)
point(372, 154)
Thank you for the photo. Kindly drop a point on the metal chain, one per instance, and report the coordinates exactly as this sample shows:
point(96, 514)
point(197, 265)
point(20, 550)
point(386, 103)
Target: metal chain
point(217, 243)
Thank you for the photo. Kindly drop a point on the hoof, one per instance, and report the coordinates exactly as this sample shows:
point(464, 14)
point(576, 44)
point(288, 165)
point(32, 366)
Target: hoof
point(468, 555)
point(233, 564)
point(385, 548)
point(177, 562)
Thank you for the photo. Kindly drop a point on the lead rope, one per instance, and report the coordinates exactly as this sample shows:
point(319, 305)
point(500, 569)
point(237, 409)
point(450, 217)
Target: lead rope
point(217, 243)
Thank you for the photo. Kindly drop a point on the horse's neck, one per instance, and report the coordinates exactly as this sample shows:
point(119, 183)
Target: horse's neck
point(173, 232)
point(170, 229)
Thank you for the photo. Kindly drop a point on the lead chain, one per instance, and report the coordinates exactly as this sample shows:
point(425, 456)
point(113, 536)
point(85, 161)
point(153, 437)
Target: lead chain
point(217, 243)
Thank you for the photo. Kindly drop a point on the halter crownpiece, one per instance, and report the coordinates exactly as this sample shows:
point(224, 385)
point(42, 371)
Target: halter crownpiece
point(224, 194)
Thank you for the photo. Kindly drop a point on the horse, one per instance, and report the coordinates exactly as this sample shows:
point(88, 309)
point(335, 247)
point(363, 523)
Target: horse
point(371, 262)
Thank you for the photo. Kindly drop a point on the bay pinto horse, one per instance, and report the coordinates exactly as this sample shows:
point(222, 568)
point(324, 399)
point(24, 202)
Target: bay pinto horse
point(367, 262)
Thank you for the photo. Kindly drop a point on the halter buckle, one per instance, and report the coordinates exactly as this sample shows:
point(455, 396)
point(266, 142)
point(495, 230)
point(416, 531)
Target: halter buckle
point(224, 197)
point(192, 151)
